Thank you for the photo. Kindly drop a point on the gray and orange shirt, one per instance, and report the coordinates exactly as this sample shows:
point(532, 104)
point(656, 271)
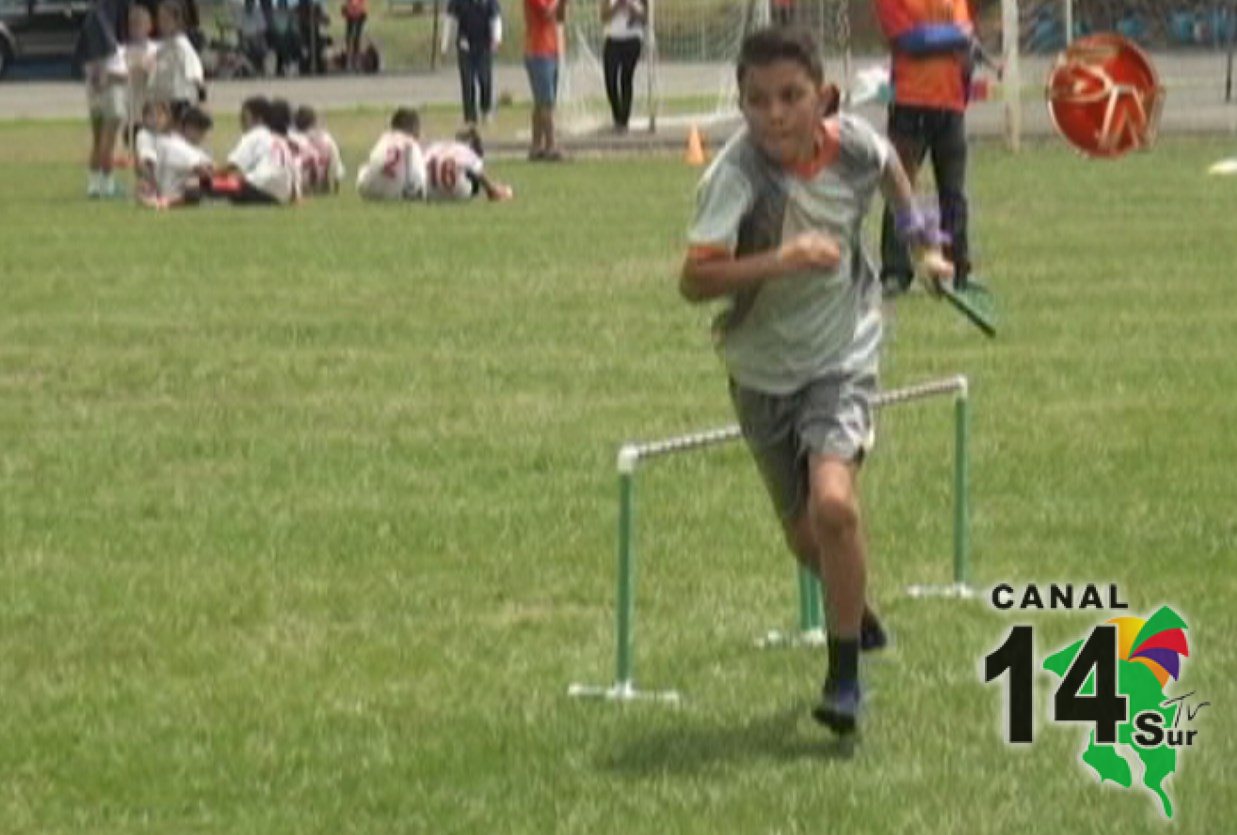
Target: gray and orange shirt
point(786, 332)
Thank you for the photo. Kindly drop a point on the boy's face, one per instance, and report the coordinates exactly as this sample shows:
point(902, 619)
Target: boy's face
point(195, 136)
point(782, 107)
point(139, 24)
point(168, 24)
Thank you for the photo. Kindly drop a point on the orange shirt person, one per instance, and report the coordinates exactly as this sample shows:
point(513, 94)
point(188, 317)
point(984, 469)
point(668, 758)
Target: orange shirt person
point(541, 51)
point(931, 44)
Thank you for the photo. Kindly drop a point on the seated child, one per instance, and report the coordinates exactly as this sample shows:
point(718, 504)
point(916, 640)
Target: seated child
point(322, 168)
point(260, 169)
point(456, 170)
point(396, 166)
point(181, 165)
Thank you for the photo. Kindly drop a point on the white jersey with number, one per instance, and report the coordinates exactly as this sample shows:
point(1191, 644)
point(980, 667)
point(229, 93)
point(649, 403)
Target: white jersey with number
point(452, 169)
point(178, 163)
point(322, 167)
point(267, 163)
point(395, 170)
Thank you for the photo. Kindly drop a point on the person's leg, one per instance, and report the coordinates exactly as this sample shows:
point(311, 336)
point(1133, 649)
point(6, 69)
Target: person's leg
point(833, 509)
point(629, 57)
point(535, 148)
point(906, 133)
point(611, 65)
point(107, 151)
point(93, 163)
point(949, 154)
point(551, 144)
point(467, 86)
point(483, 69)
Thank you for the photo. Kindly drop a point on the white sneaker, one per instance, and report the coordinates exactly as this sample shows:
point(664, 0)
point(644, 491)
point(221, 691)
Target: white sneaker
point(94, 185)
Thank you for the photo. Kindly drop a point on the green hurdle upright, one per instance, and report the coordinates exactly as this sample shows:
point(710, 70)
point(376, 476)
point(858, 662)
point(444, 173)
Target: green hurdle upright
point(811, 613)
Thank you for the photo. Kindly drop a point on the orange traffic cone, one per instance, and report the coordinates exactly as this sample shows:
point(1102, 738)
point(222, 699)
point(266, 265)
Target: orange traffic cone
point(695, 148)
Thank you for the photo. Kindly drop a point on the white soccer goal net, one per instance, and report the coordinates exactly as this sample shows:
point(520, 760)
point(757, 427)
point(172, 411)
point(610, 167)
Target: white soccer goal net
point(686, 69)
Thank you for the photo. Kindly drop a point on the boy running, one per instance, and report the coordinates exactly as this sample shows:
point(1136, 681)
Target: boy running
point(777, 232)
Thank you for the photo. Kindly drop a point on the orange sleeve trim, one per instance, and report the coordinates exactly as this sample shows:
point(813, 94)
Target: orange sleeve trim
point(703, 253)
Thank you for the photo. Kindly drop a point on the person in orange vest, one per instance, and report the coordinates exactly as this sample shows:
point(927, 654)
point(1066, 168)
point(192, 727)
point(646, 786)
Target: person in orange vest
point(932, 43)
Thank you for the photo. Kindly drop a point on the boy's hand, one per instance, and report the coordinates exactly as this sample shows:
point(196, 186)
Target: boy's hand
point(933, 268)
point(810, 251)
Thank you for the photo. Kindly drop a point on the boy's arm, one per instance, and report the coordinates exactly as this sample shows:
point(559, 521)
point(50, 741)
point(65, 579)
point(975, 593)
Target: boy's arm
point(921, 237)
point(710, 272)
point(711, 269)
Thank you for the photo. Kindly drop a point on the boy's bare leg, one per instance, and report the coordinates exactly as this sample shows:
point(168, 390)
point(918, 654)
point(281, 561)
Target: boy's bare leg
point(833, 508)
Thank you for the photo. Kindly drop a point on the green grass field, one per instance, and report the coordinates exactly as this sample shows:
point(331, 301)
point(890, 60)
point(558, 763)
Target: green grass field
point(307, 517)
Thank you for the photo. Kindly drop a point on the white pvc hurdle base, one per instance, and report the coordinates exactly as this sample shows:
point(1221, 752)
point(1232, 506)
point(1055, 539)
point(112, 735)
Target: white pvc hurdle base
point(810, 630)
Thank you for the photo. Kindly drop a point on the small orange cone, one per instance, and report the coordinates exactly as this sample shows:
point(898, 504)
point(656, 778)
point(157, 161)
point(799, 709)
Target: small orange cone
point(695, 148)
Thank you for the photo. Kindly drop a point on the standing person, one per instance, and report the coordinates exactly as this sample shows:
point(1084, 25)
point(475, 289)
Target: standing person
point(624, 21)
point(355, 13)
point(178, 79)
point(778, 232)
point(477, 26)
point(931, 43)
point(99, 55)
point(140, 53)
point(783, 12)
point(541, 51)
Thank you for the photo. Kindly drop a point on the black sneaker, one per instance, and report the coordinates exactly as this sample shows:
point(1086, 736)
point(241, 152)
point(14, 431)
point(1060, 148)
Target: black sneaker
point(872, 636)
point(839, 707)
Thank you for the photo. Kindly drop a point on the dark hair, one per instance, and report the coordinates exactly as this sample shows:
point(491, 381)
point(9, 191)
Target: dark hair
point(257, 107)
point(780, 43)
point(279, 116)
point(407, 120)
point(304, 118)
point(197, 119)
point(470, 137)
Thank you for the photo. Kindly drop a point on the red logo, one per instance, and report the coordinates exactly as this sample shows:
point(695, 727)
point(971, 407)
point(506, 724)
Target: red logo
point(1104, 96)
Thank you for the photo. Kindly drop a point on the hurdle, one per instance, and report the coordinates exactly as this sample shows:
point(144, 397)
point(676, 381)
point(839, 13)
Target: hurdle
point(810, 622)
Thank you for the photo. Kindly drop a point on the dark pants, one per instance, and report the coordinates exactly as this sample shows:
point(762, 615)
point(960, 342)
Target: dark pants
point(915, 132)
point(476, 81)
point(783, 15)
point(620, 57)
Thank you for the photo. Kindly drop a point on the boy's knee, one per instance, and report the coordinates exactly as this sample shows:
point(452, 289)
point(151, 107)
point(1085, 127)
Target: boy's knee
point(801, 540)
point(835, 512)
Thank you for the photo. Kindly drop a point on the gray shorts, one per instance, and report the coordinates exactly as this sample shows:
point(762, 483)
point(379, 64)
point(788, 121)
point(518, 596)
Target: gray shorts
point(829, 416)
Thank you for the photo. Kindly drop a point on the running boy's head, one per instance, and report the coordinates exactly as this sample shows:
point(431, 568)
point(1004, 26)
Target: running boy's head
point(139, 23)
point(253, 112)
point(305, 119)
point(406, 120)
point(195, 123)
point(171, 18)
point(782, 92)
point(279, 116)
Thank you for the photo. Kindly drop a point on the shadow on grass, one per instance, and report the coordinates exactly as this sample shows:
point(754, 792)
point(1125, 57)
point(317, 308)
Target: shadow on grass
point(699, 743)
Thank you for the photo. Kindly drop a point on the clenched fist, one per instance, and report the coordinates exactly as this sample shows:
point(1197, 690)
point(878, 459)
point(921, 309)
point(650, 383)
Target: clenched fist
point(810, 251)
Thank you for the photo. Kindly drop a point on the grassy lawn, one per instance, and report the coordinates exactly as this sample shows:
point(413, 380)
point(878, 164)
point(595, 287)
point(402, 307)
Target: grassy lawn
point(307, 516)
